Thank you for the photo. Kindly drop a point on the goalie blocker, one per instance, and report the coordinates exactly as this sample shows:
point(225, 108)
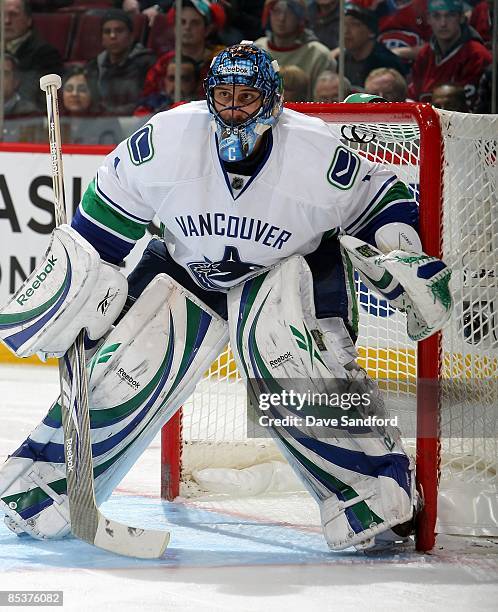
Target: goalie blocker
point(72, 289)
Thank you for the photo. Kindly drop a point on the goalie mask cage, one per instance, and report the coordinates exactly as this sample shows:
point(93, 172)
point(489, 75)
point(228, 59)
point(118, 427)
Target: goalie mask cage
point(449, 160)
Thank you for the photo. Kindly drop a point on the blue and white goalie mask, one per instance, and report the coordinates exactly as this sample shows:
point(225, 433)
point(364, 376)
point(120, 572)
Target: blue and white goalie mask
point(241, 115)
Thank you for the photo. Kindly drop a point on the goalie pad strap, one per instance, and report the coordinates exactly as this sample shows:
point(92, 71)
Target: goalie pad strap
point(72, 289)
point(147, 367)
point(362, 482)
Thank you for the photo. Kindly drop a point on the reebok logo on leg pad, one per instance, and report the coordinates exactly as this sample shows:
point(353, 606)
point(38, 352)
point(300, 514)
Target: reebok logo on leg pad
point(281, 359)
point(134, 384)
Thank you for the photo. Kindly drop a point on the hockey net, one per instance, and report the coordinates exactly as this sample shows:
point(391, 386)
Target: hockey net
point(449, 160)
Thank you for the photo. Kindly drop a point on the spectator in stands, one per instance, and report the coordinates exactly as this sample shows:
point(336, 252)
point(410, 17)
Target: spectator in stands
point(13, 103)
point(363, 52)
point(327, 87)
point(450, 97)
point(150, 8)
point(405, 30)
point(387, 83)
point(455, 53)
point(165, 96)
point(81, 120)
point(119, 71)
point(485, 92)
point(34, 56)
point(481, 20)
point(296, 84)
point(324, 18)
point(198, 23)
point(79, 97)
point(289, 42)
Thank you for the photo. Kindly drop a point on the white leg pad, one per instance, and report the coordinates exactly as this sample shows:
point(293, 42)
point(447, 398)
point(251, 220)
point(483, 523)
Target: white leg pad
point(146, 368)
point(363, 482)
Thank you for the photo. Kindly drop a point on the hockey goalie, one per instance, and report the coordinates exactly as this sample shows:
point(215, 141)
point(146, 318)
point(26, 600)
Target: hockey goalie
point(264, 213)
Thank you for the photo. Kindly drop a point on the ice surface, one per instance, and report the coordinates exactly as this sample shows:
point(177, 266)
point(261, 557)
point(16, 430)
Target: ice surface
point(251, 554)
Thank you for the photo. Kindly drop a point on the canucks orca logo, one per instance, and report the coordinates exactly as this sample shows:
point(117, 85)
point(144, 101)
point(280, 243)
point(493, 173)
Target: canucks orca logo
point(225, 273)
point(343, 169)
point(140, 145)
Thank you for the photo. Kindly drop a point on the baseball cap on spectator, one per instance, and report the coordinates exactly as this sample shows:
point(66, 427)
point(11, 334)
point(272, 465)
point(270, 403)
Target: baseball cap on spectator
point(115, 14)
point(212, 12)
point(201, 6)
point(365, 15)
point(298, 7)
point(454, 6)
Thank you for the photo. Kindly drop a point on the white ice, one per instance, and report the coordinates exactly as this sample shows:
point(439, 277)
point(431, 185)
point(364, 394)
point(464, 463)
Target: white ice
point(253, 554)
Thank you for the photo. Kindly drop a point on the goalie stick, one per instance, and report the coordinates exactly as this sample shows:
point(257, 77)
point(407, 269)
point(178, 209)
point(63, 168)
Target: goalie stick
point(87, 522)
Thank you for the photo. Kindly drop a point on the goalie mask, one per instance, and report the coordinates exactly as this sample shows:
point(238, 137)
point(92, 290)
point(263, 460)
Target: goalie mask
point(239, 124)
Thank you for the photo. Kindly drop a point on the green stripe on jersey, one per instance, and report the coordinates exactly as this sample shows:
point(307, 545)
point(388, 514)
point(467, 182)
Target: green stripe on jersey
point(399, 192)
point(330, 234)
point(96, 208)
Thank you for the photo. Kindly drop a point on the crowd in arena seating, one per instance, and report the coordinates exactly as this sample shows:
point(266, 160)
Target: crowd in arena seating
point(117, 57)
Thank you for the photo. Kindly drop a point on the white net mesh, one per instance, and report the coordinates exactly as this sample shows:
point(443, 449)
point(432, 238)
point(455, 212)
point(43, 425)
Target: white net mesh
point(214, 422)
point(470, 344)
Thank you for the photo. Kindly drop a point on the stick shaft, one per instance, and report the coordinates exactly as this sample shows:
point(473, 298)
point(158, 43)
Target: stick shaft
point(55, 142)
point(87, 523)
point(72, 372)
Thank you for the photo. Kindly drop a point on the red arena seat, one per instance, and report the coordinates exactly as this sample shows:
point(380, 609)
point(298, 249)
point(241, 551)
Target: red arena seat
point(56, 29)
point(80, 6)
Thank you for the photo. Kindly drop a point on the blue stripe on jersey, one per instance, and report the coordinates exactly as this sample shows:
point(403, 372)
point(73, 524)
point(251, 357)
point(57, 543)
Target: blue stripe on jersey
point(401, 212)
point(382, 191)
point(110, 248)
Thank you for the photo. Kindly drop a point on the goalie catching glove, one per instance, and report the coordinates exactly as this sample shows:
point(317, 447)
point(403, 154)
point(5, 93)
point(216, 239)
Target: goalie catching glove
point(415, 283)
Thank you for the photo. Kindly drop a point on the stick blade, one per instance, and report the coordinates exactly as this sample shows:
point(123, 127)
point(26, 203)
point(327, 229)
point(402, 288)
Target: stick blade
point(128, 541)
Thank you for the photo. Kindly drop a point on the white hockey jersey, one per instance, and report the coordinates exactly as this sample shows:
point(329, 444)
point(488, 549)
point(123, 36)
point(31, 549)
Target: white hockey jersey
point(220, 228)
